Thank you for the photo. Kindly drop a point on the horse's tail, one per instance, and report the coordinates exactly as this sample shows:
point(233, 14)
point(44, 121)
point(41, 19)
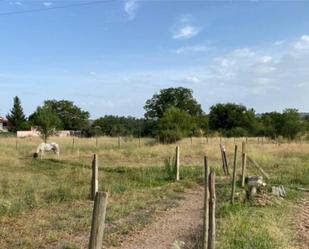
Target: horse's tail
point(57, 148)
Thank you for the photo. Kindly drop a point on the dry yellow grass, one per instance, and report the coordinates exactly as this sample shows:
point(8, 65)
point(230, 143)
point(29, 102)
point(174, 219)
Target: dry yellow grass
point(44, 204)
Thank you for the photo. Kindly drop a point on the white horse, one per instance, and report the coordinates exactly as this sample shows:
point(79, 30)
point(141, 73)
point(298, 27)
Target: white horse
point(46, 147)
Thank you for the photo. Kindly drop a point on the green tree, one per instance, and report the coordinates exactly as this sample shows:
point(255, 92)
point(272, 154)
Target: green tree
point(175, 125)
point(46, 120)
point(16, 117)
point(72, 117)
point(118, 126)
point(271, 124)
point(179, 97)
point(232, 119)
point(292, 123)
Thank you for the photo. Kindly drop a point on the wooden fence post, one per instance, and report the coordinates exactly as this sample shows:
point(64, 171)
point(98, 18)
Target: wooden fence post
point(206, 204)
point(224, 160)
point(177, 162)
point(98, 221)
point(243, 164)
point(94, 180)
point(234, 176)
point(96, 142)
point(212, 211)
point(118, 142)
point(16, 143)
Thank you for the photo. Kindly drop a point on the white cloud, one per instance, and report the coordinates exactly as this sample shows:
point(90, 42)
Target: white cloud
point(193, 79)
point(243, 52)
point(92, 73)
point(266, 59)
point(192, 49)
point(186, 32)
point(47, 4)
point(279, 42)
point(302, 43)
point(17, 3)
point(130, 7)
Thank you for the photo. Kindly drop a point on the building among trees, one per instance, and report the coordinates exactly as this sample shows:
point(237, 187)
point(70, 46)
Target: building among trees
point(3, 125)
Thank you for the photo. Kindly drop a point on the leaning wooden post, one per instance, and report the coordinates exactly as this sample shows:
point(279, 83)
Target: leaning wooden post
point(212, 211)
point(98, 221)
point(223, 161)
point(177, 162)
point(234, 176)
point(94, 181)
point(206, 204)
point(243, 164)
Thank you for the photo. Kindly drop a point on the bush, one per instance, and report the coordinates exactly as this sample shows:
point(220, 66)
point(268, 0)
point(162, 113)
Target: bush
point(175, 125)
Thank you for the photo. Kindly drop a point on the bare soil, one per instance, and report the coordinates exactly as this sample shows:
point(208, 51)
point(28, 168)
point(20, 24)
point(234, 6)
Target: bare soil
point(179, 227)
point(303, 223)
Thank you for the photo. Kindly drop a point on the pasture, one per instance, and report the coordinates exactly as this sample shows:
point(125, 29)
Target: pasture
point(45, 203)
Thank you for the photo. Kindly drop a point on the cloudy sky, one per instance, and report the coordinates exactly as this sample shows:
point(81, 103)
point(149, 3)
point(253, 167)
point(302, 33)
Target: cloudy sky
point(110, 56)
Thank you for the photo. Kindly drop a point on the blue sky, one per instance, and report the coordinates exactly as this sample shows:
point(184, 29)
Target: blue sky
point(110, 56)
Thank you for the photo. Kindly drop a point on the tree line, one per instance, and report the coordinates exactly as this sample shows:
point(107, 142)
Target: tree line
point(170, 115)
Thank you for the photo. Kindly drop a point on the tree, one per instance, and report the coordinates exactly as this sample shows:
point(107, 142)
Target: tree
point(179, 97)
point(118, 126)
point(292, 123)
point(232, 119)
point(16, 117)
point(72, 117)
point(271, 124)
point(46, 120)
point(174, 125)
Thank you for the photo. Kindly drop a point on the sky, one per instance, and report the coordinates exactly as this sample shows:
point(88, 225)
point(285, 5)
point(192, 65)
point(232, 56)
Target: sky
point(110, 56)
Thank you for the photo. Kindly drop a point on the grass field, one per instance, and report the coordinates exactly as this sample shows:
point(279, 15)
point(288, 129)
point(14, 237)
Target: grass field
point(45, 203)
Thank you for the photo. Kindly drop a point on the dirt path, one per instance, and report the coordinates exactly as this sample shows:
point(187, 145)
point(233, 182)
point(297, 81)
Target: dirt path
point(303, 223)
point(177, 226)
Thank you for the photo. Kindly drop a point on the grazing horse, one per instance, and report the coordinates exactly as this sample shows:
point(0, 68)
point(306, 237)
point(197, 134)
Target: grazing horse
point(45, 147)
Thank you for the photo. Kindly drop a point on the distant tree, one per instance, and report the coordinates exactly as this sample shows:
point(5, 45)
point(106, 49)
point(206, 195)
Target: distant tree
point(118, 126)
point(179, 97)
point(201, 125)
point(72, 117)
point(271, 124)
point(175, 125)
point(292, 123)
point(46, 120)
point(232, 119)
point(16, 117)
